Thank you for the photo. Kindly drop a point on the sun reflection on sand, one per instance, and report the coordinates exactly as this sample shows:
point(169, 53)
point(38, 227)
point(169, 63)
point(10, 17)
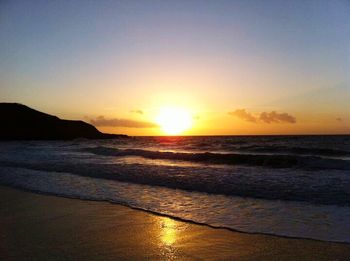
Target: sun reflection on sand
point(168, 236)
point(168, 231)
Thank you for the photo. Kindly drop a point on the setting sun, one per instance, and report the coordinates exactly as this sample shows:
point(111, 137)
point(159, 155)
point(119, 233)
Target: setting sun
point(174, 121)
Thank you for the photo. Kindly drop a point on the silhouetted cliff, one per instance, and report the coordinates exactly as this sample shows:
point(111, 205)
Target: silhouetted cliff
point(19, 122)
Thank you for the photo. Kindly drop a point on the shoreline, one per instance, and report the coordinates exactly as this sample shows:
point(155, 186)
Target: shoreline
point(179, 219)
point(39, 225)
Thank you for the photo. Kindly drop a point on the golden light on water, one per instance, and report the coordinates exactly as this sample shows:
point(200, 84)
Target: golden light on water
point(174, 121)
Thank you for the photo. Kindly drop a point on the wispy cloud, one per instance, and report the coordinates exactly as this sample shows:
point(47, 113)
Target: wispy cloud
point(244, 115)
point(265, 117)
point(275, 117)
point(137, 111)
point(101, 121)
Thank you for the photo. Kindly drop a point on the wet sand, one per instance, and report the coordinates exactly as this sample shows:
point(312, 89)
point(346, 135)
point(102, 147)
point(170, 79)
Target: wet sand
point(42, 227)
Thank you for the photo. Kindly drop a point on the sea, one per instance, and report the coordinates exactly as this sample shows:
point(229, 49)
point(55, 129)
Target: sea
point(292, 186)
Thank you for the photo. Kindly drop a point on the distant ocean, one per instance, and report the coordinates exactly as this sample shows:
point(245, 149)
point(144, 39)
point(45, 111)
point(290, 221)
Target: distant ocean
point(297, 186)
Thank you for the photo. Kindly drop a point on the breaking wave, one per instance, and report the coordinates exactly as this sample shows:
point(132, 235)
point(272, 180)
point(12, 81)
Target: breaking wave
point(273, 161)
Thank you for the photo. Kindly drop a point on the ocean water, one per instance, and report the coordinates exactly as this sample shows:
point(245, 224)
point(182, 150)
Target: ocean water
point(296, 186)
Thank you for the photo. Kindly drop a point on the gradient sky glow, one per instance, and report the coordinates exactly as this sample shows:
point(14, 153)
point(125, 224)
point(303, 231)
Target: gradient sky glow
point(125, 60)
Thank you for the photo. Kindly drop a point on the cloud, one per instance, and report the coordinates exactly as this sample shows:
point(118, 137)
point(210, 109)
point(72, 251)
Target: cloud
point(101, 121)
point(265, 117)
point(137, 111)
point(244, 115)
point(271, 117)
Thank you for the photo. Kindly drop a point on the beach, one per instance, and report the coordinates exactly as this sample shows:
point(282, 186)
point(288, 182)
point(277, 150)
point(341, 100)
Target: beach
point(41, 227)
point(175, 130)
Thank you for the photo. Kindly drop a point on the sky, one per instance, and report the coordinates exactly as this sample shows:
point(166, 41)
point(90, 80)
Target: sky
point(235, 67)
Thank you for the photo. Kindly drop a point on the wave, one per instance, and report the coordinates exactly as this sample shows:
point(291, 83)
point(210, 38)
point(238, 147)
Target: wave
point(273, 161)
point(321, 187)
point(295, 150)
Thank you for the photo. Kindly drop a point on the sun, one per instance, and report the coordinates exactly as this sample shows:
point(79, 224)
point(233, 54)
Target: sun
point(174, 121)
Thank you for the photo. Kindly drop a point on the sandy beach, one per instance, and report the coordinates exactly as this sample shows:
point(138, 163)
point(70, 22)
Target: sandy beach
point(43, 227)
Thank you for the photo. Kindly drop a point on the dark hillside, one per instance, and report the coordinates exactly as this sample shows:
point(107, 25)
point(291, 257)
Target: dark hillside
point(19, 122)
